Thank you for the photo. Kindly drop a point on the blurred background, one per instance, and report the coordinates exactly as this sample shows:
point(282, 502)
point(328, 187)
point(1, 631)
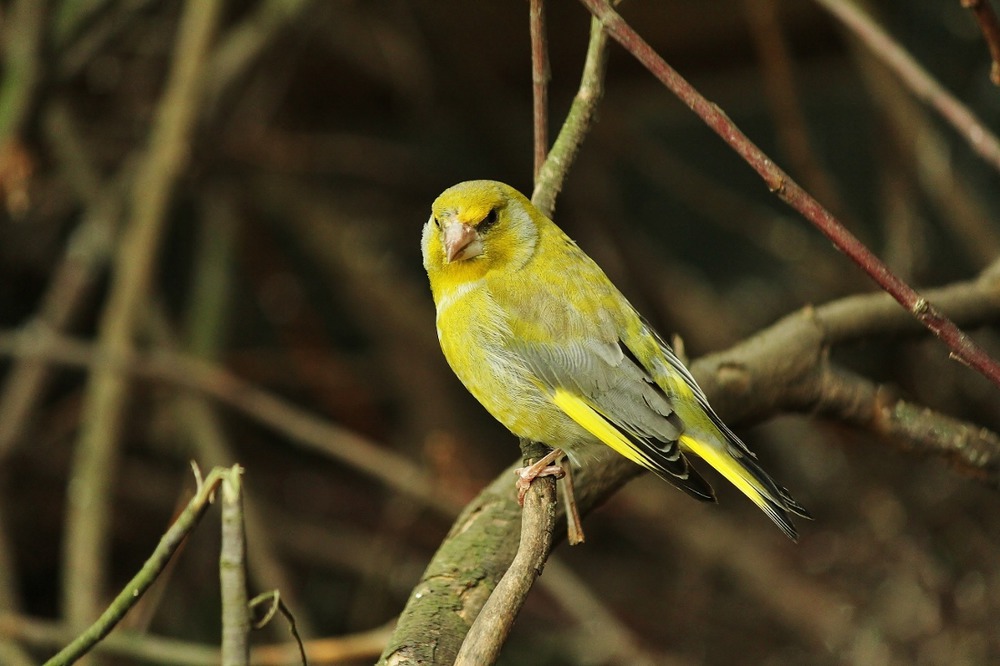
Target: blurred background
point(287, 179)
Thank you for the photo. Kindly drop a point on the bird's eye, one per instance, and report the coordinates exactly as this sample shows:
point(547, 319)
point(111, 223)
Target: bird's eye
point(437, 223)
point(491, 218)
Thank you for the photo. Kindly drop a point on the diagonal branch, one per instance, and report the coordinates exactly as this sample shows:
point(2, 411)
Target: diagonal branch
point(962, 347)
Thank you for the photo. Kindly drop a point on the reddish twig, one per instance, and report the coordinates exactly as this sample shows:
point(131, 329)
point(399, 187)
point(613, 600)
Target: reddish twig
point(916, 78)
point(989, 25)
point(540, 76)
point(962, 347)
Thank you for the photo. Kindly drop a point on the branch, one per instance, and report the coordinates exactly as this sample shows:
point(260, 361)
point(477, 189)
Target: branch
point(990, 27)
point(963, 348)
point(784, 367)
point(494, 622)
point(148, 648)
point(233, 573)
point(540, 76)
point(581, 114)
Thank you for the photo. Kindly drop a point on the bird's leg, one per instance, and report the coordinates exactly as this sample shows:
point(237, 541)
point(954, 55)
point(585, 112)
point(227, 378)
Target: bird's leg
point(543, 467)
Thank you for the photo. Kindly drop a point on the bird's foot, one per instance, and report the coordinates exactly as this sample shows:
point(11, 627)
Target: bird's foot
point(544, 467)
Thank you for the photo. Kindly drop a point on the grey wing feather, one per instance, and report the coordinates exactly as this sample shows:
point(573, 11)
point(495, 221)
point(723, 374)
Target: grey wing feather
point(611, 380)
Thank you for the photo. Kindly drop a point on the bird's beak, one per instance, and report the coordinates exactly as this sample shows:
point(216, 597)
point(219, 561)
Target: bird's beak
point(461, 242)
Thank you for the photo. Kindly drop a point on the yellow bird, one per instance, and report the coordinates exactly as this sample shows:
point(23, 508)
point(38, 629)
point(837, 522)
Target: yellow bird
point(537, 332)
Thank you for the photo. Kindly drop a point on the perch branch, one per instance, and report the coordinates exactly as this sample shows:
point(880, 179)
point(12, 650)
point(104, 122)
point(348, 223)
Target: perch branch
point(493, 624)
point(784, 367)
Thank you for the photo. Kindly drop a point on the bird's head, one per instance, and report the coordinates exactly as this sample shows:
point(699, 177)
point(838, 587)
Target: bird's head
point(478, 226)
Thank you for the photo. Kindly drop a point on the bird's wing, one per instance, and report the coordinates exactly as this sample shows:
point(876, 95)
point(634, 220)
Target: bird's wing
point(603, 388)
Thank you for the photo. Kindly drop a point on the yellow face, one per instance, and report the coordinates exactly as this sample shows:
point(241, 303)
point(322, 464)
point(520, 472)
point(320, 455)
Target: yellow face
point(475, 227)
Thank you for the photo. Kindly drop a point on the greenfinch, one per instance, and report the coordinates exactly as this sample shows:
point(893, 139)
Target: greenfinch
point(537, 332)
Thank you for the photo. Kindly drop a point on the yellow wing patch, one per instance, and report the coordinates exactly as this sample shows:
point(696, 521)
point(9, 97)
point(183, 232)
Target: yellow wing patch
point(597, 425)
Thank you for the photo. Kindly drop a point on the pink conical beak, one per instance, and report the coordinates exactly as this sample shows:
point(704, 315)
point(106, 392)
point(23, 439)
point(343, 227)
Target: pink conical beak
point(461, 242)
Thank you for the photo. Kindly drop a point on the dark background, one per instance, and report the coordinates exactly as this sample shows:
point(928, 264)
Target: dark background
point(309, 175)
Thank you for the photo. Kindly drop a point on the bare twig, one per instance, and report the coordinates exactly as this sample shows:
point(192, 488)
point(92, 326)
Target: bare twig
point(923, 85)
point(493, 623)
point(135, 588)
point(233, 573)
point(88, 502)
point(962, 347)
point(540, 76)
point(581, 115)
point(989, 25)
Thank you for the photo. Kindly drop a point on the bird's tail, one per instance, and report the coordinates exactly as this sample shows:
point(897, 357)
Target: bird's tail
point(743, 472)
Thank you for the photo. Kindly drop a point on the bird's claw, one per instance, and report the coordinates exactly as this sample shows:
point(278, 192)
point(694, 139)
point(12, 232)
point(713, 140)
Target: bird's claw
point(525, 475)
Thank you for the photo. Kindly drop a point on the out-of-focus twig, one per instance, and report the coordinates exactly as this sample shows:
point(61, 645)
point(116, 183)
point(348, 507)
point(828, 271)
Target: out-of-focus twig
point(916, 78)
point(245, 42)
point(88, 252)
point(581, 115)
point(309, 431)
point(23, 32)
point(88, 518)
point(989, 25)
point(540, 76)
point(782, 95)
point(963, 348)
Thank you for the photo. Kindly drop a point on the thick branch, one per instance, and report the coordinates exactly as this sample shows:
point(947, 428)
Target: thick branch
point(784, 367)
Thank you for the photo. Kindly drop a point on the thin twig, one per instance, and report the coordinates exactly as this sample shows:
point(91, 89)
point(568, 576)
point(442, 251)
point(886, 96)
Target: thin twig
point(581, 116)
point(540, 76)
point(233, 573)
point(923, 85)
point(135, 588)
point(989, 25)
point(962, 347)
